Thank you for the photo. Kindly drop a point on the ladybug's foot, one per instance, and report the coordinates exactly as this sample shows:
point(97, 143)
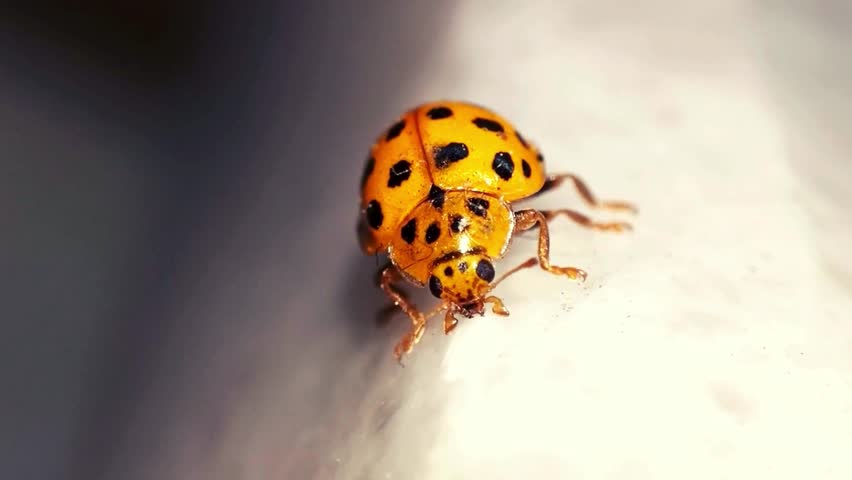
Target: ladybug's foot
point(406, 344)
point(497, 306)
point(570, 272)
point(525, 220)
point(450, 322)
point(587, 222)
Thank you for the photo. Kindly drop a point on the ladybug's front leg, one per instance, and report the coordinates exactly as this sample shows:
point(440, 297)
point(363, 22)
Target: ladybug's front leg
point(384, 315)
point(418, 321)
point(527, 219)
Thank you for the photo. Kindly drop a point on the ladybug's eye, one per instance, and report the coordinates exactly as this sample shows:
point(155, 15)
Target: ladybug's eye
point(485, 270)
point(435, 286)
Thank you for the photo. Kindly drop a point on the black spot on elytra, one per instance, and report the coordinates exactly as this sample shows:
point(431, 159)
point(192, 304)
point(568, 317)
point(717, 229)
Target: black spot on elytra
point(485, 270)
point(449, 153)
point(399, 172)
point(435, 286)
point(448, 271)
point(487, 124)
point(526, 168)
point(456, 224)
point(477, 206)
point(463, 267)
point(409, 231)
point(522, 139)
point(395, 130)
point(503, 165)
point(436, 196)
point(368, 170)
point(433, 231)
point(438, 113)
point(374, 214)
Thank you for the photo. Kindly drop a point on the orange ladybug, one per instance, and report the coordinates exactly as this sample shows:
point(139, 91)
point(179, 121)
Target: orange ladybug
point(437, 195)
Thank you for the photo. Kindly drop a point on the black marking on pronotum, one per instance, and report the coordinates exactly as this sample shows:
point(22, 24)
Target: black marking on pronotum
point(477, 206)
point(457, 223)
point(433, 232)
point(409, 231)
point(436, 196)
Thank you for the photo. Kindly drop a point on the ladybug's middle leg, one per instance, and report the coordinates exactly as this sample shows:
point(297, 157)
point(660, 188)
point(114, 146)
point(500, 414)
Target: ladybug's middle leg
point(527, 219)
point(554, 181)
point(587, 222)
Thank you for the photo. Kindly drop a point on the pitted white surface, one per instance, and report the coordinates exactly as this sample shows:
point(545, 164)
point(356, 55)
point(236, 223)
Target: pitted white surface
point(708, 343)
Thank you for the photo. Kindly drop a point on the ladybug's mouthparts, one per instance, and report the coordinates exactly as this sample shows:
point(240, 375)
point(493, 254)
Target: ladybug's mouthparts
point(473, 308)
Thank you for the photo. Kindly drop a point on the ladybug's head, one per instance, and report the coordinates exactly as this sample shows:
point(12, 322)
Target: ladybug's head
point(462, 279)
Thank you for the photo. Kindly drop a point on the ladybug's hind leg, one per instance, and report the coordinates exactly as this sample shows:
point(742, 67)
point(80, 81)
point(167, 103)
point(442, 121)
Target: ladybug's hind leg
point(527, 219)
point(554, 181)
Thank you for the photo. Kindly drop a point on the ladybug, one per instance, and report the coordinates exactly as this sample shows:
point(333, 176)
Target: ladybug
point(438, 195)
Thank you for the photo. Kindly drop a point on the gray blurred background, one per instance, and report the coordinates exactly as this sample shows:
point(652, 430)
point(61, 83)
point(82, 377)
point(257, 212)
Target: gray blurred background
point(177, 205)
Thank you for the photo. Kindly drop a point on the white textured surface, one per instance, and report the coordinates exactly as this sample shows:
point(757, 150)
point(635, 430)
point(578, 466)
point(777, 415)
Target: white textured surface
point(712, 342)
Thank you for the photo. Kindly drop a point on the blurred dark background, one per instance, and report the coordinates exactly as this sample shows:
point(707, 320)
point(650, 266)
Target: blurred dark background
point(129, 132)
point(119, 125)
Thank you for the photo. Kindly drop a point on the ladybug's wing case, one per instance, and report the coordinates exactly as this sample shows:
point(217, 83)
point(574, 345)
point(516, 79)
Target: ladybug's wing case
point(395, 179)
point(470, 147)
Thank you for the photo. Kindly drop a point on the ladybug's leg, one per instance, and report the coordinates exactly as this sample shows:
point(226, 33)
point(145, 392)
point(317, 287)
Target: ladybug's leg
point(527, 219)
point(497, 304)
point(418, 321)
point(450, 321)
point(384, 315)
point(587, 222)
point(554, 181)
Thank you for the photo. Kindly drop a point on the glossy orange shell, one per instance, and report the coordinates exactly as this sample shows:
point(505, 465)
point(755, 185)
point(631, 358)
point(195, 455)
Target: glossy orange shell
point(463, 222)
point(438, 147)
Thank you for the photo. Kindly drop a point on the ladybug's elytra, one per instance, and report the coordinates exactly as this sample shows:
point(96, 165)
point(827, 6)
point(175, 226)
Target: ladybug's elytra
point(437, 195)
